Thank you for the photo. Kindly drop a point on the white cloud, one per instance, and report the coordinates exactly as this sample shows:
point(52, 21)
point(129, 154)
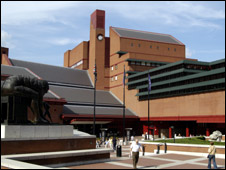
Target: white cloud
point(189, 52)
point(177, 14)
point(211, 51)
point(6, 39)
point(23, 12)
point(64, 41)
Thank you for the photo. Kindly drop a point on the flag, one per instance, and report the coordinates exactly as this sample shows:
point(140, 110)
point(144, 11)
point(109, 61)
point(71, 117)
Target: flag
point(149, 82)
point(95, 71)
point(124, 77)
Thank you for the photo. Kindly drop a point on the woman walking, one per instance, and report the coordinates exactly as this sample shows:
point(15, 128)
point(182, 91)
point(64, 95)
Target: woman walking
point(212, 152)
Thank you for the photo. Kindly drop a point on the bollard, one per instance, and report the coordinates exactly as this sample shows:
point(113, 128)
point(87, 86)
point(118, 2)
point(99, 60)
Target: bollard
point(119, 151)
point(143, 148)
point(165, 147)
point(158, 149)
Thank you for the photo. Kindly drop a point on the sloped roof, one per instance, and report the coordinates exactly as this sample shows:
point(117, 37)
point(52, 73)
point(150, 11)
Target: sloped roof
point(71, 84)
point(56, 73)
point(85, 96)
point(88, 110)
point(128, 33)
point(15, 71)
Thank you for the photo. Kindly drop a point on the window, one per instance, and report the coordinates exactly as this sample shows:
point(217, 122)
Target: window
point(175, 49)
point(131, 44)
point(157, 47)
point(116, 67)
point(143, 63)
point(112, 79)
point(168, 49)
point(150, 46)
point(112, 68)
point(133, 62)
point(138, 45)
point(77, 64)
point(148, 64)
point(116, 78)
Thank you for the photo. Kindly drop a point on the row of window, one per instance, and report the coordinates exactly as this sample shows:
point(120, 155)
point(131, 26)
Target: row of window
point(185, 91)
point(196, 67)
point(185, 82)
point(173, 76)
point(187, 66)
point(158, 72)
point(139, 63)
point(157, 47)
point(220, 65)
point(116, 67)
point(114, 78)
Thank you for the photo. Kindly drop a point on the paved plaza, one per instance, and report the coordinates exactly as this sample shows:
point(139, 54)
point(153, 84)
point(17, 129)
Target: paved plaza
point(149, 161)
point(162, 161)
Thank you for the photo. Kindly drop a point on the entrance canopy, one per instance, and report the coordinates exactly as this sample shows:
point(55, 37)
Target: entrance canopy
point(89, 122)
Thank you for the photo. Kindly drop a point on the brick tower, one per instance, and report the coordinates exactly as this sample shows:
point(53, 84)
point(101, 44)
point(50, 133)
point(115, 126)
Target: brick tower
point(97, 47)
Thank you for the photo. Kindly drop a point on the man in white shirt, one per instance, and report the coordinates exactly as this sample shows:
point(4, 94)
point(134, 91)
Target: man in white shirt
point(135, 147)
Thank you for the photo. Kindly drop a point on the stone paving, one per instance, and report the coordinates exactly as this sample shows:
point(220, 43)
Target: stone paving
point(162, 161)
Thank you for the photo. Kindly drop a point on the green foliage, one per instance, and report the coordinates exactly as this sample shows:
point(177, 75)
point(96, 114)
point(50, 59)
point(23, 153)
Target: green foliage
point(201, 138)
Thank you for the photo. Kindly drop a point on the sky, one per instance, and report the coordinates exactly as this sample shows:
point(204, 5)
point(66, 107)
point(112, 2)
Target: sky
point(41, 31)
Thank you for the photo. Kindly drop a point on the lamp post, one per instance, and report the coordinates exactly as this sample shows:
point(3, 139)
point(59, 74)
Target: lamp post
point(153, 132)
point(94, 116)
point(172, 127)
point(149, 89)
point(124, 107)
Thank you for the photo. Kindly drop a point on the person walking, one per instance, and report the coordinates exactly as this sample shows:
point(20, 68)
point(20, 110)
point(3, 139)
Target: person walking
point(135, 148)
point(212, 152)
point(106, 143)
point(111, 143)
point(114, 143)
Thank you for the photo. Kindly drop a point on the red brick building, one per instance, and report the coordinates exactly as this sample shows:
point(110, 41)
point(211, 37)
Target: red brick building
point(197, 112)
point(186, 93)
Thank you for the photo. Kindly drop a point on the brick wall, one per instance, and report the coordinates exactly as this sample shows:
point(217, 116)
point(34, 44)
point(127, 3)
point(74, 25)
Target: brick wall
point(46, 145)
point(152, 147)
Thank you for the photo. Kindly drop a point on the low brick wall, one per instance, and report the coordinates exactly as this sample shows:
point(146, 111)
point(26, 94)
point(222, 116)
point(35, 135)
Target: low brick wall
point(150, 147)
point(46, 145)
point(73, 159)
point(42, 160)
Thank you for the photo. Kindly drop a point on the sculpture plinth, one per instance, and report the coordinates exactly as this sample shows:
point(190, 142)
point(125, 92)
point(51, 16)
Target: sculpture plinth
point(20, 139)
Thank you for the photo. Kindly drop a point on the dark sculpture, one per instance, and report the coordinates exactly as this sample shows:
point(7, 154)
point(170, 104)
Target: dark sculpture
point(30, 91)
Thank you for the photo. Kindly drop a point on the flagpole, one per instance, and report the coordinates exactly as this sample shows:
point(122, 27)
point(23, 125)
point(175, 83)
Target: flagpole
point(148, 107)
point(124, 79)
point(94, 115)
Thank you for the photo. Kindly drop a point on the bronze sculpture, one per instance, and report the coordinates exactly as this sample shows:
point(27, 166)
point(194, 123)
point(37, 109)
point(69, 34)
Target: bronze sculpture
point(32, 91)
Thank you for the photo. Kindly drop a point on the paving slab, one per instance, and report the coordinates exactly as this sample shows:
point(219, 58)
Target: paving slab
point(147, 162)
point(218, 161)
point(177, 157)
point(187, 166)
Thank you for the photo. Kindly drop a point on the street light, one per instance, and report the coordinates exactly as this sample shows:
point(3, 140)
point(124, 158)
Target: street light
point(172, 127)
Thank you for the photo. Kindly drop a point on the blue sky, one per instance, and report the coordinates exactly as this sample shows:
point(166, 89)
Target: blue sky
point(41, 31)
